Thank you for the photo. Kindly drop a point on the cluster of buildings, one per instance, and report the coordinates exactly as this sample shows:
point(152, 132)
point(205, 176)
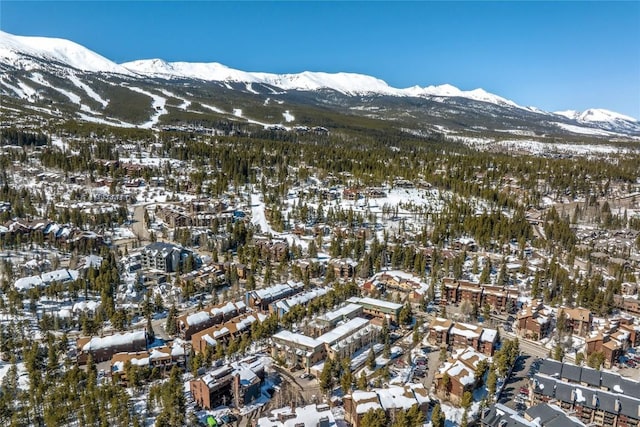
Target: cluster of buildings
point(45, 279)
point(197, 213)
point(336, 334)
point(189, 324)
point(391, 400)
point(64, 236)
point(397, 281)
point(533, 320)
point(458, 375)
point(302, 351)
point(445, 332)
point(499, 298)
point(238, 383)
point(593, 397)
point(611, 337)
point(163, 357)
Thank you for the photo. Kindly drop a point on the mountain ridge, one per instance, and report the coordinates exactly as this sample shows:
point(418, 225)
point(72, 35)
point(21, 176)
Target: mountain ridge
point(24, 57)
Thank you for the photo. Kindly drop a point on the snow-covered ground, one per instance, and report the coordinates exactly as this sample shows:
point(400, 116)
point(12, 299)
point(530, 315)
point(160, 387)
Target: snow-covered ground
point(23, 380)
point(288, 117)
point(158, 104)
point(88, 90)
point(185, 102)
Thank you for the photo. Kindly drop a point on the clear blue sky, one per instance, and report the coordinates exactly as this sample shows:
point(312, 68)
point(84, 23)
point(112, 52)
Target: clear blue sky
point(556, 55)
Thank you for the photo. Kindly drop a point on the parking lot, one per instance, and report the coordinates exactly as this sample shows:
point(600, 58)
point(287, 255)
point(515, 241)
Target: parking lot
point(514, 393)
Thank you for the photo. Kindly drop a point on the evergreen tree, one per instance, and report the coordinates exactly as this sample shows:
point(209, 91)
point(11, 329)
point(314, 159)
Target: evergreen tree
point(375, 418)
point(437, 416)
point(492, 381)
point(172, 317)
point(371, 360)
point(362, 381)
point(326, 376)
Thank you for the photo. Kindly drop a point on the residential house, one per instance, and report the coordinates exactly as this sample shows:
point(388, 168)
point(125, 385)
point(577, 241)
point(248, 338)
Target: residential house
point(165, 257)
point(463, 335)
point(262, 299)
point(579, 320)
point(500, 298)
point(221, 334)
point(102, 348)
point(378, 308)
point(391, 400)
point(297, 350)
point(534, 321)
point(330, 320)
point(458, 375)
point(439, 331)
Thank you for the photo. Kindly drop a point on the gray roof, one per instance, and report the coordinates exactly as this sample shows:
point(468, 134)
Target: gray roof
point(499, 412)
point(630, 388)
point(571, 372)
point(629, 407)
point(576, 374)
point(563, 391)
point(590, 376)
point(551, 416)
point(609, 380)
point(542, 411)
point(550, 367)
point(545, 385)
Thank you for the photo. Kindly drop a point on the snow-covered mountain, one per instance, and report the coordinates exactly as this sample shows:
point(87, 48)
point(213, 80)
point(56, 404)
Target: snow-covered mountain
point(29, 53)
point(346, 83)
point(37, 69)
point(604, 119)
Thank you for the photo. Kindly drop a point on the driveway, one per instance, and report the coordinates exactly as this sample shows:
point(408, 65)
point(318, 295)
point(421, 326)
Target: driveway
point(519, 379)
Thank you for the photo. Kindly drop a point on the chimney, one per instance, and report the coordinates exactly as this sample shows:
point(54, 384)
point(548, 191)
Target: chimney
point(595, 401)
point(485, 412)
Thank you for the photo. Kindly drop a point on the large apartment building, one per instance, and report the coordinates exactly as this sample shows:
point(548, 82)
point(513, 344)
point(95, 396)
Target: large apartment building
point(594, 397)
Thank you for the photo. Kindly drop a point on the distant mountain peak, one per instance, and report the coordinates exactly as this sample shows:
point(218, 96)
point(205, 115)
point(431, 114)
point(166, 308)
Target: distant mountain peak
point(597, 115)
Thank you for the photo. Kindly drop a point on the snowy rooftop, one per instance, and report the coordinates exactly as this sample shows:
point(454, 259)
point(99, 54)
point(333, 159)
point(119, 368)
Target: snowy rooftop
point(488, 335)
point(44, 279)
point(332, 316)
point(343, 331)
point(396, 397)
point(298, 339)
point(277, 291)
point(376, 302)
point(99, 343)
point(197, 318)
point(466, 330)
point(307, 416)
